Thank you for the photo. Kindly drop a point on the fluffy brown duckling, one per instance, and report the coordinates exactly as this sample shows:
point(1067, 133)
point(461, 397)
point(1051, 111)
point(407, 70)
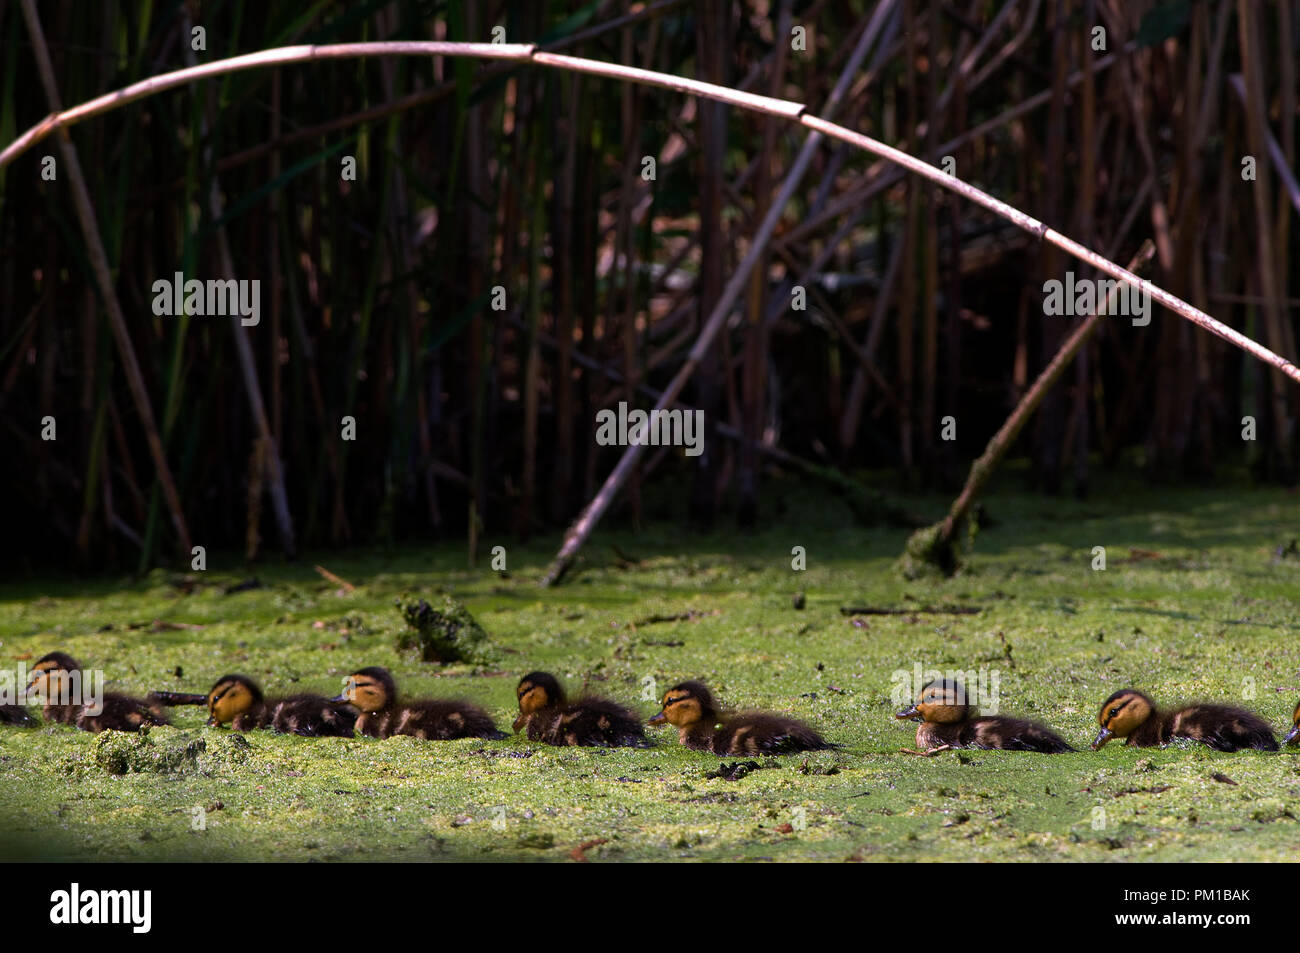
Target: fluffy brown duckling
point(949, 721)
point(71, 699)
point(1133, 716)
point(238, 701)
point(690, 708)
point(552, 719)
point(373, 693)
point(1294, 733)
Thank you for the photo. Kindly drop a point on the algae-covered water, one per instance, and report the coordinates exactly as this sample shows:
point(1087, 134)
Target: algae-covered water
point(1196, 602)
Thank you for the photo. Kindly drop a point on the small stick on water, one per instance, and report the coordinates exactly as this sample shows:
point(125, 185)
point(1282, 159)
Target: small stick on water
point(930, 753)
point(337, 580)
point(579, 853)
point(178, 698)
point(163, 625)
point(918, 610)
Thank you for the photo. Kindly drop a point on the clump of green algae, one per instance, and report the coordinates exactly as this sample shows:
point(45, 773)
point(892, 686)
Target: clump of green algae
point(163, 750)
point(447, 635)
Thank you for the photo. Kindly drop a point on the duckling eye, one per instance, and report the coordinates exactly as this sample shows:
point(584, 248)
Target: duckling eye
point(1113, 712)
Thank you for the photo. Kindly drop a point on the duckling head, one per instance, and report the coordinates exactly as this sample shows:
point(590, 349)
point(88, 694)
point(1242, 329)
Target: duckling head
point(535, 691)
point(1294, 733)
point(1121, 715)
point(943, 701)
point(686, 704)
point(50, 674)
point(371, 689)
point(231, 697)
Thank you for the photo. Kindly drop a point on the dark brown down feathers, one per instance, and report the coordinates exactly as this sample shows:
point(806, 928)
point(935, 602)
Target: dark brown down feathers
point(431, 720)
point(16, 715)
point(312, 716)
point(118, 713)
point(992, 733)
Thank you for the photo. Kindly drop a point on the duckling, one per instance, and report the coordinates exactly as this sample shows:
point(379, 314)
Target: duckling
point(237, 699)
point(690, 708)
point(948, 721)
point(1294, 733)
point(373, 692)
point(59, 678)
point(588, 722)
point(1131, 715)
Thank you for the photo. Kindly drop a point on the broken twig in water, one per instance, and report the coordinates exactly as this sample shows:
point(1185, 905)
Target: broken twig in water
point(579, 853)
point(918, 610)
point(337, 580)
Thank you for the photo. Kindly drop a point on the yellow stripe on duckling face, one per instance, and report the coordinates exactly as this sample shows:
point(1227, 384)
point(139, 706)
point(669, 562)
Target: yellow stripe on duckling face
point(228, 700)
point(363, 692)
point(679, 708)
point(1121, 714)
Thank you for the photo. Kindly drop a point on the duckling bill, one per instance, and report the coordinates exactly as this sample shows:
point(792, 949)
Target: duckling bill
point(550, 718)
point(949, 721)
point(1130, 715)
point(373, 692)
point(61, 682)
point(690, 708)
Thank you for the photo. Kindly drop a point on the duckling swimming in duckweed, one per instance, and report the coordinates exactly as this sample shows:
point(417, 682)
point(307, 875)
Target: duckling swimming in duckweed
point(949, 721)
point(237, 700)
point(373, 692)
point(591, 722)
point(71, 698)
point(1133, 716)
point(690, 708)
point(1294, 733)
